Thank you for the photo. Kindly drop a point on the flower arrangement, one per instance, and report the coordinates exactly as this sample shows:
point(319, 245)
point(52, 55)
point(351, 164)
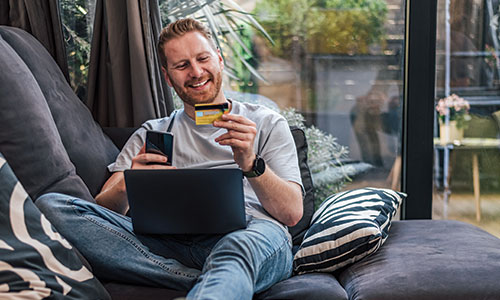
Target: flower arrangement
point(456, 107)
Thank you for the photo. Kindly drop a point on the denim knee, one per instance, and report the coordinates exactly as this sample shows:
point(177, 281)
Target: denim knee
point(51, 204)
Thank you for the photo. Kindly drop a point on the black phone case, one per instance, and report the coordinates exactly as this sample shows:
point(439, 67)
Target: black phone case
point(160, 143)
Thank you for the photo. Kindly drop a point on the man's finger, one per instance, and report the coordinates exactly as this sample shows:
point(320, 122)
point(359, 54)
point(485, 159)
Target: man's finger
point(237, 118)
point(234, 143)
point(233, 134)
point(160, 167)
point(235, 126)
point(151, 158)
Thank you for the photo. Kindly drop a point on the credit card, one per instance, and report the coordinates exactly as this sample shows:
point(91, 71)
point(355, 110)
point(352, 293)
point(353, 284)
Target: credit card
point(208, 113)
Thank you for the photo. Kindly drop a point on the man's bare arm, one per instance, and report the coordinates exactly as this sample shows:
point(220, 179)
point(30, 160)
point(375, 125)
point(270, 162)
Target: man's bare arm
point(281, 198)
point(113, 194)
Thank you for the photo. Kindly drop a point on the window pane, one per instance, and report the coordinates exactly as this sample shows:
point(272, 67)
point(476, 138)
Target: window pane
point(336, 64)
point(467, 157)
point(77, 20)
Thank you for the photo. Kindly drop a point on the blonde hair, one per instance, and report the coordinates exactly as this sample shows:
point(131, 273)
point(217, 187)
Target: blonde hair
point(179, 28)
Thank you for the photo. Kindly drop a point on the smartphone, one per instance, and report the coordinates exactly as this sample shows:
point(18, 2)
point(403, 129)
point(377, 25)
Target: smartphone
point(160, 143)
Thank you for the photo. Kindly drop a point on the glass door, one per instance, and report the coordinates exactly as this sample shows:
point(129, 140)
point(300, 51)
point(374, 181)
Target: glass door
point(467, 113)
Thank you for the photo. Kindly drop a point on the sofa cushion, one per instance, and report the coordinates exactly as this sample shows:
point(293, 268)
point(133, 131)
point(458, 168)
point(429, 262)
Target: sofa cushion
point(427, 260)
point(347, 227)
point(29, 138)
point(298, 231)
point(35, 261)
point(319, 286)
point(136, 292)
point(88, 148)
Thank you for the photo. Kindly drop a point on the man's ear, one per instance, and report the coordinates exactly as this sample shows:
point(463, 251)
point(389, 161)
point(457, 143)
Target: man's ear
point(165, 74)
point(221, 60)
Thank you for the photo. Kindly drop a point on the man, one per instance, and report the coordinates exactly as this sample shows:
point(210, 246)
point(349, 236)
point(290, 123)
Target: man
point(234, 266)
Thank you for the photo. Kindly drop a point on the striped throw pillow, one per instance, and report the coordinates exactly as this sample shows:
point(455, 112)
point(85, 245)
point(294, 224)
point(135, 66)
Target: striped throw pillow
point(35, 261)
point(347, 227)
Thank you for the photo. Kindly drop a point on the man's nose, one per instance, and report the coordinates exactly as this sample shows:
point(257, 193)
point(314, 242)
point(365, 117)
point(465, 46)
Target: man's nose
point(196, 70)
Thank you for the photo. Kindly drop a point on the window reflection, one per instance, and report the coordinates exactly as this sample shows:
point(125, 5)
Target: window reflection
point(467, 184)
point(336, 64)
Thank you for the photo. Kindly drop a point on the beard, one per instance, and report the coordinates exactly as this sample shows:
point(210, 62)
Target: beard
point(192, 97)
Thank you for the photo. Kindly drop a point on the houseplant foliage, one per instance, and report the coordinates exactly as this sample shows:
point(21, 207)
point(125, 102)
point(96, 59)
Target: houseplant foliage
point(325, 157)
point(77, 19)
point(323, 26)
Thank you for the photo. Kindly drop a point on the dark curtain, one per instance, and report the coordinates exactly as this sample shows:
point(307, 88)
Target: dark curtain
point(41, 19)
point(125, 85)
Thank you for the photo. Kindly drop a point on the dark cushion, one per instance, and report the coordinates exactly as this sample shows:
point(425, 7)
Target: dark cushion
point(29, 138)
point(136, 292)
point(429, 259)
point(319, 286)
point(119, 136)
point(299, 230)
point(347, 227)
point(35, 261)
point(87, 147)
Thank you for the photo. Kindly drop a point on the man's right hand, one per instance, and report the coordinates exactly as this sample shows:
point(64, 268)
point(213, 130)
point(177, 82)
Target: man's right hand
point(113, 194)
point(145, 160)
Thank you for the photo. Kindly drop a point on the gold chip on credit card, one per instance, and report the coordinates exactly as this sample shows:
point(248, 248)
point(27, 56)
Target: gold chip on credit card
point(208, 113)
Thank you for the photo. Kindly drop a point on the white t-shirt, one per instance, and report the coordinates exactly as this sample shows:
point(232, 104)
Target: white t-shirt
point(195, 147)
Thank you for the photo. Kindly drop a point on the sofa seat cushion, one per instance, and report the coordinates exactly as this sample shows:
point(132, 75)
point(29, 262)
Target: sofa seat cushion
point(429, 259)
point(314, 286)
point(319, 286)
point(136, 292)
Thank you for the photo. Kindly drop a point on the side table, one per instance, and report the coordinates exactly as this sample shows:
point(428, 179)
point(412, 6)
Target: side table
point(464, 144)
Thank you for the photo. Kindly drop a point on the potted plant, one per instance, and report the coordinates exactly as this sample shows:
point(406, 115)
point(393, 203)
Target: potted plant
point(453, 117)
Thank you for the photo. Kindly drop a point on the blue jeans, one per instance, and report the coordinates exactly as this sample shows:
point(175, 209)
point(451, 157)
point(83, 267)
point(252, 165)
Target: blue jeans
point(233, 266)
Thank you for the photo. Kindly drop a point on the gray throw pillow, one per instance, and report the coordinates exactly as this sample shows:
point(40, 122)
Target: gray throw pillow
point(29, 138)
point(88, 148)
point(35, 261)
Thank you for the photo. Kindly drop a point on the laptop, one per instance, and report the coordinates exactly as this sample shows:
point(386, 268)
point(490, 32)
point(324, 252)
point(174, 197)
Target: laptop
point(186, 201)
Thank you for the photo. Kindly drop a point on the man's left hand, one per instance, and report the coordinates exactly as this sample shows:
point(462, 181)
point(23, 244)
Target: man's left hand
point(240, 136)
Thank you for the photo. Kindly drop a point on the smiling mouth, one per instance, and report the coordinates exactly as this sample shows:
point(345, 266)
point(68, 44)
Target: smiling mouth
point(199, 84)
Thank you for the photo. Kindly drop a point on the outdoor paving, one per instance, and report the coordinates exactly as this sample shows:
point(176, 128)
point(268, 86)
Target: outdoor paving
point(461, 207)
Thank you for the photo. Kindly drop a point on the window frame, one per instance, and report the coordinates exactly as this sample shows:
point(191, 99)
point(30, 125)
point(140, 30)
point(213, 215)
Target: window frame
point(418, 108)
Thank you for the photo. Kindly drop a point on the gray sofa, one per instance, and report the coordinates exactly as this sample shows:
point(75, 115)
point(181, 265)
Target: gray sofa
point(52, 143)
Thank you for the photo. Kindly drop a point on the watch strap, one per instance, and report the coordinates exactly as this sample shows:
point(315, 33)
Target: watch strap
point(258, 168)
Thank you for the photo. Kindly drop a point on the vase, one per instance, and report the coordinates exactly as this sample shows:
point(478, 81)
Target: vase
point(450, 133)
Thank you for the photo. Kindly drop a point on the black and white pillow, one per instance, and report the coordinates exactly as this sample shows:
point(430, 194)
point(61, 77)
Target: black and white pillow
point(35, 261)
point(347, 227)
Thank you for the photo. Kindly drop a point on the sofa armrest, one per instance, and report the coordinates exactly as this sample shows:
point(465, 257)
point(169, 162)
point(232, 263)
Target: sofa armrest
point(119, 136)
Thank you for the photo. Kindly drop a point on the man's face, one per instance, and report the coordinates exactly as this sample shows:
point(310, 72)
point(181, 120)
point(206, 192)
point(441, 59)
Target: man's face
point(194, 68)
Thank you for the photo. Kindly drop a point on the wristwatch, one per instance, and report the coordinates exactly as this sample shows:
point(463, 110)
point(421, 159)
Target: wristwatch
point(258, 168)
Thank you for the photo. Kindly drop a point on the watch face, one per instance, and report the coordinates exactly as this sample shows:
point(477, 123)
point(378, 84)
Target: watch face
point(260, 166)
